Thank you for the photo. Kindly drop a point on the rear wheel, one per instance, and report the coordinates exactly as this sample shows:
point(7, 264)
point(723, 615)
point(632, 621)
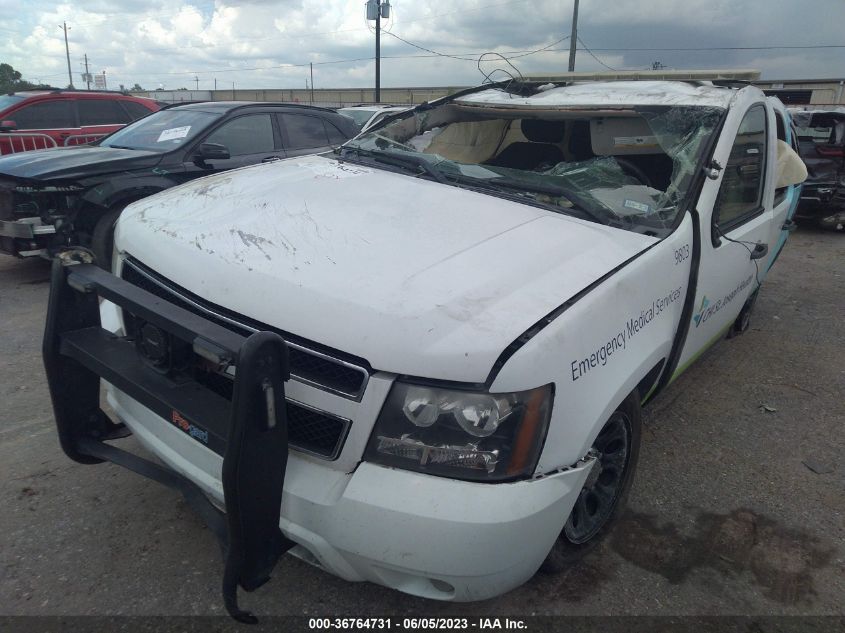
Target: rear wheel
point(616, 450)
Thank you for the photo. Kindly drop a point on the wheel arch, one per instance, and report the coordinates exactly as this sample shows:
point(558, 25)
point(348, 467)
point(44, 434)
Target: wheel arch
point(95, 204)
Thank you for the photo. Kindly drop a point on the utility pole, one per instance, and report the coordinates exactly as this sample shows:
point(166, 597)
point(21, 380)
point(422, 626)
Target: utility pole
point(573, 39)
point(377, 9)
point(197, 79)
point(87, 75)
point(215, 84)
point(67, 52)
point(311, 64)
point(378, 51)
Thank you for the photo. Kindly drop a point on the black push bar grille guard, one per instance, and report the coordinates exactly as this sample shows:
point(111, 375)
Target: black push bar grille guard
point(250, 432)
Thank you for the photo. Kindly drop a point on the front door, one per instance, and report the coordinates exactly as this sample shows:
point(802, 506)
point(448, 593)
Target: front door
point(735, 214)
point(250, 139)
point(786, 198)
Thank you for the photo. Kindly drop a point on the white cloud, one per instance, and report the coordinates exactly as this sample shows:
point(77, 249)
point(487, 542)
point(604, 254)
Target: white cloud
point(171, 43)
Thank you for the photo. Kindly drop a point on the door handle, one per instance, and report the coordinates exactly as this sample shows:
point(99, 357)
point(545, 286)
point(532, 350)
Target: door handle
point(760, 251)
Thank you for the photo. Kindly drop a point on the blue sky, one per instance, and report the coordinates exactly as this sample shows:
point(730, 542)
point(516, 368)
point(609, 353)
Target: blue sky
point(263, 44)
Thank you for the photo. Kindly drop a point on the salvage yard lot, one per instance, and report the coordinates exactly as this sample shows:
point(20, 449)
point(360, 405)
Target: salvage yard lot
point(738, 506)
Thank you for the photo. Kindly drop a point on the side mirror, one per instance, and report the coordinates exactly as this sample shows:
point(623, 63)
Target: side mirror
point(8, 126)
point(211, 151)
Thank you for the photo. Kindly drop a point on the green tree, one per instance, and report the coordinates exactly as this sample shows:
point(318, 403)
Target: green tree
point(136, 88)
point(11, 80)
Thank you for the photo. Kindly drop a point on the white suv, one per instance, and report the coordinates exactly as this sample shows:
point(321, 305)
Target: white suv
point(475, 300)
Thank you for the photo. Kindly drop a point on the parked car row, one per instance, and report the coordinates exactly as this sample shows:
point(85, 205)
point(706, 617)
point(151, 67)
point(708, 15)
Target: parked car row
point(59, 198)
point(420, 359)
point(53, 205)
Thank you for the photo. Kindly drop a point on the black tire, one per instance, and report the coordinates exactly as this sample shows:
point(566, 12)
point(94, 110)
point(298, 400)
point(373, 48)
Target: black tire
point(102, 238)
point(606, 489)
point(743, 320)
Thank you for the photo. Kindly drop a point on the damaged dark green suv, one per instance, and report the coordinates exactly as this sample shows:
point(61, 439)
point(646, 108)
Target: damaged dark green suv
point(69, 197)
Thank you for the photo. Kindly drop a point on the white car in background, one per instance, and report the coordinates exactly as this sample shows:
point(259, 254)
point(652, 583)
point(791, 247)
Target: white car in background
point(472, 303)
point(366, 117)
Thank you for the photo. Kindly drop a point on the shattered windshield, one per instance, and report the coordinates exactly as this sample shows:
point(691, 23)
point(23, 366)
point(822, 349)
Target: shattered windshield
point(630, 168)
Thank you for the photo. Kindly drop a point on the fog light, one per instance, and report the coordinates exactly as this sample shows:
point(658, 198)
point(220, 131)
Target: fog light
point(160, 349)
point(154, 344)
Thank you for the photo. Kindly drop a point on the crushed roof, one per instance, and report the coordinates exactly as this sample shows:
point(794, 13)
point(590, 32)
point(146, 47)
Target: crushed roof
point(615, 93)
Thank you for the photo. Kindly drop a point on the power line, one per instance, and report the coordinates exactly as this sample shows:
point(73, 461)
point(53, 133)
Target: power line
point(594, 57)
point(471, 56)
point(428, 50)
point(467, 56)
point(473, 59)
point(722, 48)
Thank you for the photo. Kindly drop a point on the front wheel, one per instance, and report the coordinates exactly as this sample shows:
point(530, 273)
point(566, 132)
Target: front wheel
point(102, 239)
point(601, 500)
point(743, 320)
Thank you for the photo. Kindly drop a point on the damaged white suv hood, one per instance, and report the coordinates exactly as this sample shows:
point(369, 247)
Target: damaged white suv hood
point(414, 276)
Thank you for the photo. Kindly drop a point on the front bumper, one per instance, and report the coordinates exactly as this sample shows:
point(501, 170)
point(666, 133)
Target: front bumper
point(424, 535)
point(250, 434)
point(26, 237)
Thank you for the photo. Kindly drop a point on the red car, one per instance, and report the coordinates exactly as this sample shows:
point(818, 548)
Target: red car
point(41, 119)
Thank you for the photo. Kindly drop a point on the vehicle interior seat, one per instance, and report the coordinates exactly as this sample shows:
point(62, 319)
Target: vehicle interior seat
point(469, 142)
point(543, 146)
point(580, 142)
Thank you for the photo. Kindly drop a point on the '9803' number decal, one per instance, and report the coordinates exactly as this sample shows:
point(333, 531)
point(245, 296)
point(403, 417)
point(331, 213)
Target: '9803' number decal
point(681, 254)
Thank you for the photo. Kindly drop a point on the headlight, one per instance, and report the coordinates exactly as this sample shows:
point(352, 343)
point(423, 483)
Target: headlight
point(461, 434)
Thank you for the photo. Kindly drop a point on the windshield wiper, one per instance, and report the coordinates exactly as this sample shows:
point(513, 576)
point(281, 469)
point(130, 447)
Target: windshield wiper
point(399, 160)
point(511, 184)
point(415, 161)
point(499, 183)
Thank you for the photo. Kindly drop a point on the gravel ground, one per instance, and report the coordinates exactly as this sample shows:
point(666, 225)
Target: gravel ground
point(725, 517)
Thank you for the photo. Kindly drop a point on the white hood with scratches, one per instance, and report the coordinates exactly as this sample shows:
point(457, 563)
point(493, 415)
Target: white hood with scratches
point(416, 277)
